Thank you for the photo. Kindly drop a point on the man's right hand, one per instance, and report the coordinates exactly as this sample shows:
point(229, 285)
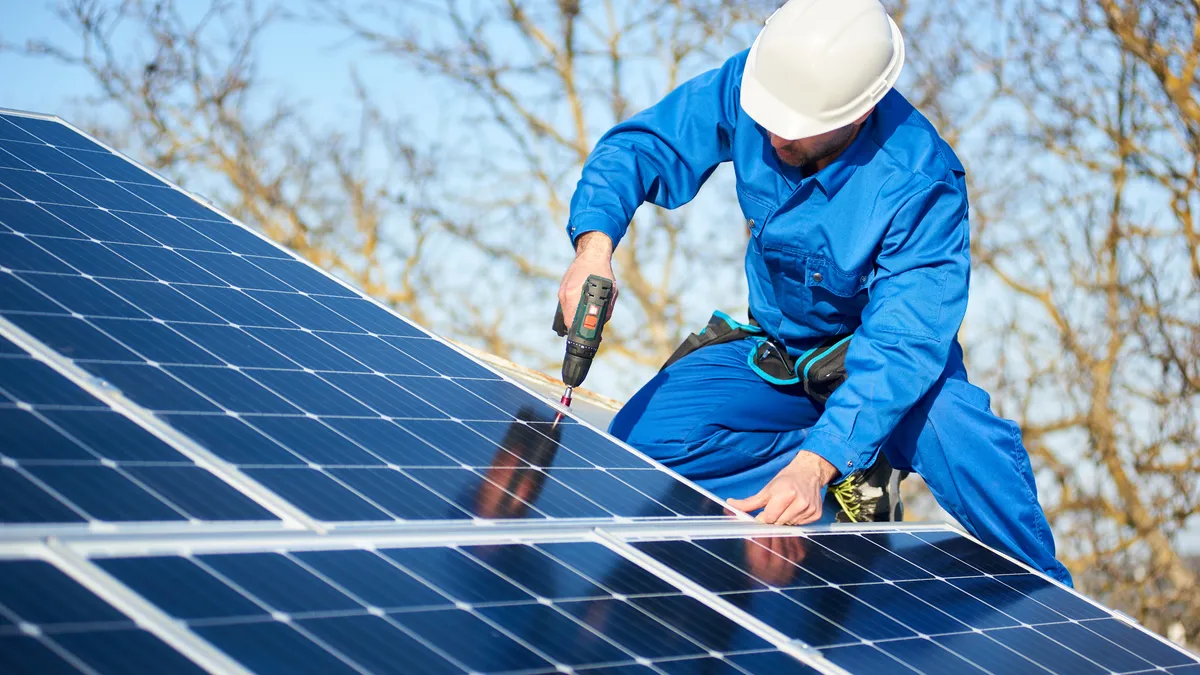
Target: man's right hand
point(593, 255)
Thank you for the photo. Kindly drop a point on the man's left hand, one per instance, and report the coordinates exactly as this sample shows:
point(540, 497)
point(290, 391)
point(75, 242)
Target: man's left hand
point(793, 497)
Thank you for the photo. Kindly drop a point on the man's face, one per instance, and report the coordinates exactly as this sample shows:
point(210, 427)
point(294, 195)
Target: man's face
point(806, 151)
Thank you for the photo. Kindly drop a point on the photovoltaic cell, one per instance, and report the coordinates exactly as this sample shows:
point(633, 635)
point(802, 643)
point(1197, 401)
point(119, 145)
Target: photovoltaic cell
point(343, 408)
point(921, 602)
point(51, 624)
point(65, 457)
point(487, 608)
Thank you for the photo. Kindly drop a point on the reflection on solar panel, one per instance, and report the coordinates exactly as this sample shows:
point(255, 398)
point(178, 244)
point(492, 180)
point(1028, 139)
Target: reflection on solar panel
point(250, 467)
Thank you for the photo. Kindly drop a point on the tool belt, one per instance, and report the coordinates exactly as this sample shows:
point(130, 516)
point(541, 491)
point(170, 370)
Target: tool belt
point(822, 369)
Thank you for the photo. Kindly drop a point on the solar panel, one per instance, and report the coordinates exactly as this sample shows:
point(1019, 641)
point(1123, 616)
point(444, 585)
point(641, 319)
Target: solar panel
point(49, 623)
point(250, 467)
point(547, 607)
point(66, 457)
point(328, 400)
point(912, 602)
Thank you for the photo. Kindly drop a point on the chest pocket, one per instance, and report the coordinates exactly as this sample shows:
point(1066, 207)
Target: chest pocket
point(814, 292)
point(756, 213)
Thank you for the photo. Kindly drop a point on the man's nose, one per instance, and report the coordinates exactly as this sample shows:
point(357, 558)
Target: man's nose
point(778, 142)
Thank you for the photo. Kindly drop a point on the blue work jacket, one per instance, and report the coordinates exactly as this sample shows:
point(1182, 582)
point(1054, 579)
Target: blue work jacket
point(876, 243)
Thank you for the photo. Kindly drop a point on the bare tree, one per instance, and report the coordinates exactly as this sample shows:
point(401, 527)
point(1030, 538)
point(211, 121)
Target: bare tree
point(542, 81)
point(1097, 262)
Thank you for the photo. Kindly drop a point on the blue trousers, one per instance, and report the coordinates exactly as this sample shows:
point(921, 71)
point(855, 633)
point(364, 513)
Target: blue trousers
point(710, 418)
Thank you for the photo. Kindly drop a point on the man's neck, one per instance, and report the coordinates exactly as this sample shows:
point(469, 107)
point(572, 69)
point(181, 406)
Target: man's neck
point(813, 167)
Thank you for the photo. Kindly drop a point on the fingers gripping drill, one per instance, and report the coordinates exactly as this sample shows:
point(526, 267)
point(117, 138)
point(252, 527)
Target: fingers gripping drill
point(583, 336)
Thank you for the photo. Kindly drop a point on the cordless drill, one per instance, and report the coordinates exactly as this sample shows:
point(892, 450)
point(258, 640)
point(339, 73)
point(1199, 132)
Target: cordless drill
point(583, 338)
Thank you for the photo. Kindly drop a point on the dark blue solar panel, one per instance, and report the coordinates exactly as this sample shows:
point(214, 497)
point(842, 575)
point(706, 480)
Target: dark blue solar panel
point(18, 253)
point(494, 608)
point(233, 440)
point(232, 390)
point(83, 296)
point(48, 159)
point(155, 342)
point(49, 132)
point(1149, 647)
point(10, 131)
point(151, 387)
point(169, 201)
point(969, 552)
point(311, 393)
point(927, 656)
point(69, 458)
point(318, 494)
point(107, 194)
point(28, 218)
point(18, 296)
point(309, 350)
point(38, 187)
point(99, 225)
point(111, 166)
point(907, 602)
point(28, 502)
point(125, 651)
point(74, 338)
point(183, 311)
point(866, 659)
point(314, 441)
point(66, 624)
point(375, 354)
point(171, 232)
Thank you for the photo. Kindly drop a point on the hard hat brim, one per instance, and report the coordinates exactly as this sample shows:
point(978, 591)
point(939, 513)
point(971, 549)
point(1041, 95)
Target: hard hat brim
point(782, 120)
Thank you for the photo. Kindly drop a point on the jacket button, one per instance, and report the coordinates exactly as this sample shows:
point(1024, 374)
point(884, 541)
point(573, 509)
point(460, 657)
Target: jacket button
point(750, 223)
point(862, 279)
point(817, 277)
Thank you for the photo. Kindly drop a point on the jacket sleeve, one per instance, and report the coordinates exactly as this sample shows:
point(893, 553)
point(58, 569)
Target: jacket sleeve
point(661, 155)
point(918, 299)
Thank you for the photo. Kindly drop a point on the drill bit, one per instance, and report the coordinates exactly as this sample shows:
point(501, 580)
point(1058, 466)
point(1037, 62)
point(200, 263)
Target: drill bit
point(565, 400)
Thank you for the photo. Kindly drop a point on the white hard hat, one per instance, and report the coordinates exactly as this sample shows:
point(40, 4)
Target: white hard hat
point(818, 65)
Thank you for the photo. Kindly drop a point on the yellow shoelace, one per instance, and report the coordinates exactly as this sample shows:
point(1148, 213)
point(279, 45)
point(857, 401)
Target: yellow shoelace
point(848, 498)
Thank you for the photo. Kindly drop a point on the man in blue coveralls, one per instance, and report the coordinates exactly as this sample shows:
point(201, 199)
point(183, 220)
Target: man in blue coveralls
point(858, 224)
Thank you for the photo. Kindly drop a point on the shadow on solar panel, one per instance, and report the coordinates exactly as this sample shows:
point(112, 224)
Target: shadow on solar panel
point(311, 397)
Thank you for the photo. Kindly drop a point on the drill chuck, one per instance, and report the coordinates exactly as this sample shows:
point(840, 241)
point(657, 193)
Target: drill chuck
point(575, 368)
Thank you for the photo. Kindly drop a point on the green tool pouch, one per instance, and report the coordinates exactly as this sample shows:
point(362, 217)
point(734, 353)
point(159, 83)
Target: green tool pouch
point(821, 368)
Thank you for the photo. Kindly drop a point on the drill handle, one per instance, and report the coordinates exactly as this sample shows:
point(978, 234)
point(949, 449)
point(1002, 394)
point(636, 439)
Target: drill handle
point(560, 323)
point(591, 313)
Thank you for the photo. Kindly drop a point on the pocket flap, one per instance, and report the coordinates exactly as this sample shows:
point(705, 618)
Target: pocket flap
point(820, 272)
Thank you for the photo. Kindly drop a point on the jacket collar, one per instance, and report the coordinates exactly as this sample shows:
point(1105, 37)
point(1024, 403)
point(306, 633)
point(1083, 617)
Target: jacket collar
point(834, 176)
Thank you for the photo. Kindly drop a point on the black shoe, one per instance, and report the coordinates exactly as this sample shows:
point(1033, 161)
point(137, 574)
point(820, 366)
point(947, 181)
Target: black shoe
point(870, 496)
